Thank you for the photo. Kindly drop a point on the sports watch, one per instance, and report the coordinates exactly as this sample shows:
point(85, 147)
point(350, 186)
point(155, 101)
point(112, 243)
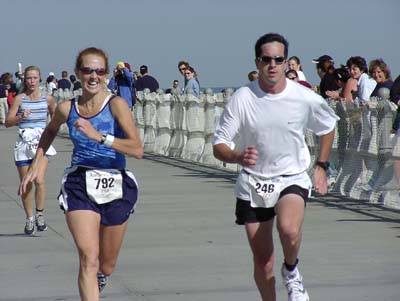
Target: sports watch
point(103, 139)
point(324, 165)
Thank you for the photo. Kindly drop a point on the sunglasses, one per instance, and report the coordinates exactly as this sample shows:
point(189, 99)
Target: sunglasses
point(99, 71)
point(268, 59)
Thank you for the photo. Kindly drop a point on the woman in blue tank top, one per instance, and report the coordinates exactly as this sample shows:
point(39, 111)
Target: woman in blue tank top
point(29, 111)
point(98, 194)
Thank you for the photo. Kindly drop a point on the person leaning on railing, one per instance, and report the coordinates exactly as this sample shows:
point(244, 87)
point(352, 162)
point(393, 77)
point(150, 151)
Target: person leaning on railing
point(348, 86)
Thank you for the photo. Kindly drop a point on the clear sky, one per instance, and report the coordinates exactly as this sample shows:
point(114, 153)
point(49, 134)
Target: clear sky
point(216, 36)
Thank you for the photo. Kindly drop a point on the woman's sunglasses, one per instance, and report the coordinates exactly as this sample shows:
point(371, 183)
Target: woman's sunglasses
point(87, 71)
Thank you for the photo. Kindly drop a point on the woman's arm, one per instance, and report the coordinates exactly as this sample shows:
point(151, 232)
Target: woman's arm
point(12, 117)
point(350, 86)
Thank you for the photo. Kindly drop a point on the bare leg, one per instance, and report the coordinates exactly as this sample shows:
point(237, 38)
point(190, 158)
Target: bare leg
point(111, 238)
point(85, 227)
point(290, 216)
point(396, 171)
point(261, 244)
point(27, 196)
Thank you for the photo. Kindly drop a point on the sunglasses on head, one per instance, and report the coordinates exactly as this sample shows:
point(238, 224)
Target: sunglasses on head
point(99, 71)
point(268, 59)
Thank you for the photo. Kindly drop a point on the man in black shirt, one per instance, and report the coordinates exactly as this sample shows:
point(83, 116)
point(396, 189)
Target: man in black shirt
point(326, 71)
point(146, 81)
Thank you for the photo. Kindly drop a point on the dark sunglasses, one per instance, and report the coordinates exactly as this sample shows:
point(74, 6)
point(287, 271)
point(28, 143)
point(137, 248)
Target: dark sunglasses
point(268, 59)
point(99, 71)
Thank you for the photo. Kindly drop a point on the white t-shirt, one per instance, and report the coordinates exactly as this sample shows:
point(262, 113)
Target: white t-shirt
point(301, 75)
point(275, 125)
point(365, 87)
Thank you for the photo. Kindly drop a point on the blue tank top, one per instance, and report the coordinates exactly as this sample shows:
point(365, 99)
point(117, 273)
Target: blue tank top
point(88, 152)
point(38, 116)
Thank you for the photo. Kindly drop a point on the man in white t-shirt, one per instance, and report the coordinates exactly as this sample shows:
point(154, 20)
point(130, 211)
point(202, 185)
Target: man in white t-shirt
point(268, 117)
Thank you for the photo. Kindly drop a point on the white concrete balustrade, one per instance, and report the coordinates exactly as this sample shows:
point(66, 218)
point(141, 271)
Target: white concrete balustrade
point(182, 126)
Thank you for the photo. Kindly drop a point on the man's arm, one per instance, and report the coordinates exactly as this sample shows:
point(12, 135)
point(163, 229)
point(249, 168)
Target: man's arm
point(325, 147)
point(247, 158)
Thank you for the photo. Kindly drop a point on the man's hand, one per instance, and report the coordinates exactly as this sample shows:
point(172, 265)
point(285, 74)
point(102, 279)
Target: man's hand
point(320, 183)
point(249, 157)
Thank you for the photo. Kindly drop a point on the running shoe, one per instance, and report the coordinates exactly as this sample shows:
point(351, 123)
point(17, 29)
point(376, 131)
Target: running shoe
point(30, 226)
point(40, 222)
point(101, 280)
point(294, 285)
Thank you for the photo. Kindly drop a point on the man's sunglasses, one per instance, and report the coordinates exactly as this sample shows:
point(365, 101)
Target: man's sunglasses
point(268, 59)
point(99, 71)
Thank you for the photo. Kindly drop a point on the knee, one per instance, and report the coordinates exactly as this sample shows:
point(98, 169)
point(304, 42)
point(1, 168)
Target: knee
point(264, 263)
point(39, 182)
point(107, 268)
point(290, 233)
point(89, 261)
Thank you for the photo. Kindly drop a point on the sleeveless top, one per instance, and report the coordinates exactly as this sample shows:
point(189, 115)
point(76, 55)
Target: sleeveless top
point(88, 152)
point(38, 116)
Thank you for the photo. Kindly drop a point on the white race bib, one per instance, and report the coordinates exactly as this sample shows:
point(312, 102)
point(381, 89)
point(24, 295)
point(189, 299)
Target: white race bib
point(264, 192)
point(104, 185)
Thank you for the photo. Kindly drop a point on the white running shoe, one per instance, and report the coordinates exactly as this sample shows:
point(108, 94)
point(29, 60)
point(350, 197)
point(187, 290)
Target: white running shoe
point(30, 226)
point(294, 285)
point(40, 222)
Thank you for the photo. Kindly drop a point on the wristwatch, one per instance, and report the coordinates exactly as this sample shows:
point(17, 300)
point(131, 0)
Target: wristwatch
point(324, 165)
point(103, 139)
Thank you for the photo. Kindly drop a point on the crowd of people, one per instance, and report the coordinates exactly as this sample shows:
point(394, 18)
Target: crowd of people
point(99, 193)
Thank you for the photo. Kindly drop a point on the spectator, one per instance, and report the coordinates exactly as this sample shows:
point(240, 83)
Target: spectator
point(175, 88)
point(11, 87)
point(19, 79)
point(359, 71)
point(253, 75)
point(3, 101)
point(191, 82)
point(146, 81)
point(182, 66)
point(293, 75)
point(122, 84)
point(380, 72)
point(326, 70)
point(294, 64)
point(348, 86)
point(51, 83)
point(76, 83)
point(64, 83)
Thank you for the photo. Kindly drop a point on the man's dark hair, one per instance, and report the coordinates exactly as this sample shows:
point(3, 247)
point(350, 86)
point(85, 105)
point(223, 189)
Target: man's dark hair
point(269, 38)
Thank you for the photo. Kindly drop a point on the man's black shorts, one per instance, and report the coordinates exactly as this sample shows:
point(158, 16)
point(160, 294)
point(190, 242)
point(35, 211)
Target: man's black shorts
point(247, 214)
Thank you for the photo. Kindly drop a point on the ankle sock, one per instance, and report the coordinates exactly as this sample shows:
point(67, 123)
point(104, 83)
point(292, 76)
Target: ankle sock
point(290, 267)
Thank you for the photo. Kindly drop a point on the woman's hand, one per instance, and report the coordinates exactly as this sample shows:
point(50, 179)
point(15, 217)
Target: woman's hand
point(87, 128)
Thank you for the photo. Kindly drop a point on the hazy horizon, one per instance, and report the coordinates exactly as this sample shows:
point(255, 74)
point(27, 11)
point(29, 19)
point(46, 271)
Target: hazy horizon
point(216, 37)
